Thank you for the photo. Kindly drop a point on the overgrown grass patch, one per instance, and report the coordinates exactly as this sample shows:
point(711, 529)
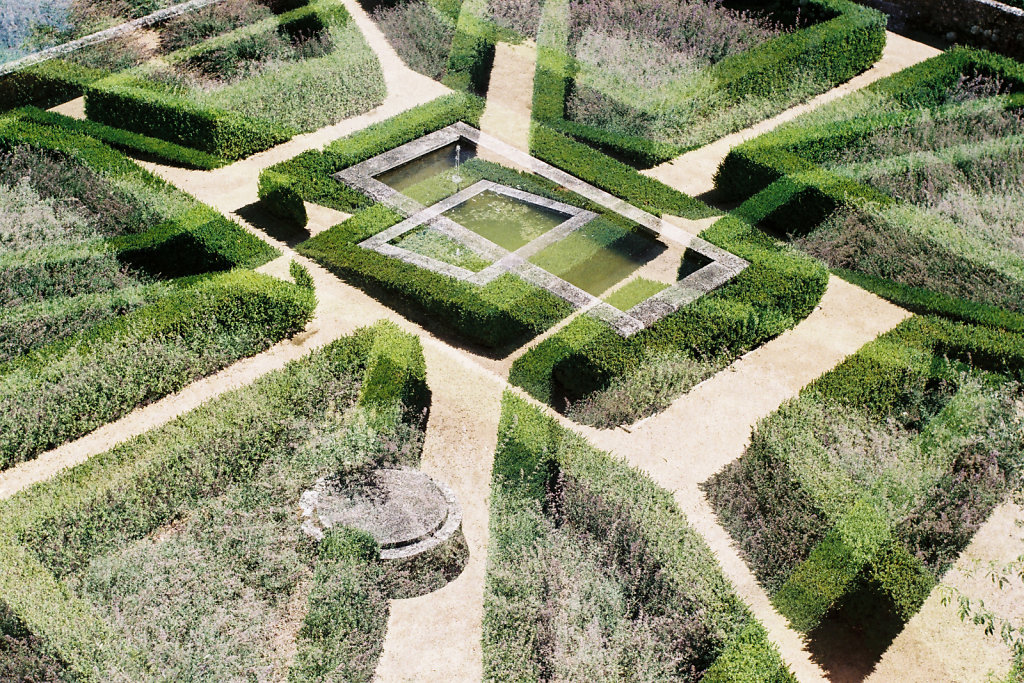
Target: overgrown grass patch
point(593, 573)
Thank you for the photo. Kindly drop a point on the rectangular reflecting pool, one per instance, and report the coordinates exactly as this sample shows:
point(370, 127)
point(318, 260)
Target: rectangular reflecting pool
point(427, 166)
point(508, 222)
point(598, 255)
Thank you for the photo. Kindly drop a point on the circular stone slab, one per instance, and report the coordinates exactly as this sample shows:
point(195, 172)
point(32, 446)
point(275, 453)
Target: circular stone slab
point(406, 511)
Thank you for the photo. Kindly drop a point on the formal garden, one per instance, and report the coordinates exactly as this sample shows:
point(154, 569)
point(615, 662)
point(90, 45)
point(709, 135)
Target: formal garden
point(351, 340)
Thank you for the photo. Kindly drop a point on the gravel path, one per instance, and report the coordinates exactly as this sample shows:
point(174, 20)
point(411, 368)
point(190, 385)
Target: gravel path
point(436, 637)
point(510, 94)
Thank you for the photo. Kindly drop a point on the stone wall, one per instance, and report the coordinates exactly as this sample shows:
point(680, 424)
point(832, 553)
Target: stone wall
point(981, 23)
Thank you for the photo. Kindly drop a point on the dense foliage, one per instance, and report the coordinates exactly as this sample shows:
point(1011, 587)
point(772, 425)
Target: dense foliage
point(593, 573)
point(912, 184)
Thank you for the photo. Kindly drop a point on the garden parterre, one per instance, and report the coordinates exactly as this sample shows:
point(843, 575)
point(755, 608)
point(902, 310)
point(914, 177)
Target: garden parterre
point(180, 553)
point(117, 288)
point(648, 81)
point(594, 574)
point(589, 363)
point(854, 499)
point(509, 292)
point(911, 186)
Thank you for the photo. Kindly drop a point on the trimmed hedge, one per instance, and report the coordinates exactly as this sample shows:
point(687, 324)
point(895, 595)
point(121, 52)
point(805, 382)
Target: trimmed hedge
point(74, 385)
point(847, 39)
point(934, 377)
point(348, 583)
point(472, 52)
point(779, 288)
point(59, 526)
point(160, 150)
point(194, 240)
point(46, 85)
point(308, 176)
point(613, 176)
point(396, 373)
point(136, 105)
point(500, 313)
point(131, 100)
point(661, 562)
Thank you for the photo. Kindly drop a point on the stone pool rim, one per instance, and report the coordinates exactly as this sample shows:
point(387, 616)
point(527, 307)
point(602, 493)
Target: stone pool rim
point(722, 266)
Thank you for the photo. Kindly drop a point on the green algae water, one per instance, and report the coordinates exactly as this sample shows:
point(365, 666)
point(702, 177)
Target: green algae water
point(428, 166)
point(510, 223)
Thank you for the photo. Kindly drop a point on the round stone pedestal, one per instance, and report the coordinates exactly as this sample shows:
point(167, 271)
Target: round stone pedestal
point(406, 511)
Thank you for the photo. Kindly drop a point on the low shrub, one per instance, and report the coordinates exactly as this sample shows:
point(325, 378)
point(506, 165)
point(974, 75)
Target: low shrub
point(300, 274)
point(909, 187)
point(396, 373)
point(472, 53)
point(342, 634)
point(160, 150)
point(187, 237)
point(128, 104)
point(420, 33)
point(613, 176)
point(46, 85)
point(65, 389)
point(23, 328)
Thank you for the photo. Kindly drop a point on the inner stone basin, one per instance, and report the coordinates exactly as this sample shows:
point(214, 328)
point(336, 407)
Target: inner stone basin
point(598, 255)
point(508, 222)
point(397, 507)
point(428, 166)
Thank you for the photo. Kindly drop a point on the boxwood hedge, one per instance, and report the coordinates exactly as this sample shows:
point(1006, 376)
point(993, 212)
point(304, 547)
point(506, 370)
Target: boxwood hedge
point(193, 238)
point(658, 559)
point(128, 348)
point(46, 84)
point(846, 39)
point(503, 312)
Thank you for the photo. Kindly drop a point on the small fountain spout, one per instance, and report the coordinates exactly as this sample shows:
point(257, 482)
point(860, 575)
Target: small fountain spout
point(457, 178)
